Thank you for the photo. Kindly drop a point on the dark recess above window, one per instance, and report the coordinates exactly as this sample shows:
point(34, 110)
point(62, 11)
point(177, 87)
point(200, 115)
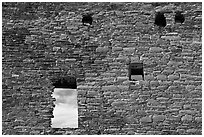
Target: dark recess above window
point(65, 82)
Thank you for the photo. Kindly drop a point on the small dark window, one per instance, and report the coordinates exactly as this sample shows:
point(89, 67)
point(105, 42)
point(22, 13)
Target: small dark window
point(160, 19)
point(87, 19)
point(179, 17)
point(136, 72)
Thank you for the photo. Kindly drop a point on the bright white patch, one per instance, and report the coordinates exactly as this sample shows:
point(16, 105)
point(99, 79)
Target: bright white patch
point(66, 108)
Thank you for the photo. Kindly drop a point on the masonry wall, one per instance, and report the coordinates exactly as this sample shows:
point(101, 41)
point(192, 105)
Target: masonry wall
point(45, 41)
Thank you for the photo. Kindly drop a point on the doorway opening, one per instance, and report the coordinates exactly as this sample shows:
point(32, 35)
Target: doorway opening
point(66, 107)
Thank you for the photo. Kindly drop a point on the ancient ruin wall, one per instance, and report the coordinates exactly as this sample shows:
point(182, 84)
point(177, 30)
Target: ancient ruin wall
point(43, 42)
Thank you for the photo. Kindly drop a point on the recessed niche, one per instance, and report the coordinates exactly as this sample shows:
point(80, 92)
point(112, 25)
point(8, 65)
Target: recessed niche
point(179, 17)
point(87, 19)
point(160, 19)
point(136, 72)
point(66, 82)
point(66, 108)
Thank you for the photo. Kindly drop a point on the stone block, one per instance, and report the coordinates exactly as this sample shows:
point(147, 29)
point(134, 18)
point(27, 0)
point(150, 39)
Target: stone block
point(173, 77)
point(149, 77)
point(167, 71)
point(171, 37)
point(129, 50)
point(136, 77)
point(134, 59)
point(187, 118)
point(161, 77)
point(147, 119)
point(102, 49)
point(121, 79)
point(109, 88)
point(198, 119)
point(154, 83)
point(180, 131)
point(155, 49)
point(70, 60)
point(121, 87)
point(117, 49)
point(193, 130)
point(158, 118)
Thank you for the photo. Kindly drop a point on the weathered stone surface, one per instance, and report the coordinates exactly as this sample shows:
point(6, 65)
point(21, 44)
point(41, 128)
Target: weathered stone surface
point(191, 112)
point(162, 77)
point(134, 59)
point(149, 77)
point(187, 118)
point(117, 49)
point(187, 106)
point(109, 88)
point(173, 77)
point(124, 88)
point(193, 130)
point(102, 49)
point(99, 54)
point(167, 71)
point(158, 118)
point(155, 49)
point(171, 37)
point(146, 119)
point(154, 83)
point(198, 119)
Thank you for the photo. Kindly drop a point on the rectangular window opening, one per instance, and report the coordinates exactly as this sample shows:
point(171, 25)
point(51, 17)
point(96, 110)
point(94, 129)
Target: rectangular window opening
point(66, 107)
point(136, 72)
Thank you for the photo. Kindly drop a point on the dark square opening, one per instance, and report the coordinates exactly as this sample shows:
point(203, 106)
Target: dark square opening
point(135, 70)
point(66, 82)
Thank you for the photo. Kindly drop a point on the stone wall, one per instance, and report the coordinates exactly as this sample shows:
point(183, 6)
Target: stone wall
point(45, 41)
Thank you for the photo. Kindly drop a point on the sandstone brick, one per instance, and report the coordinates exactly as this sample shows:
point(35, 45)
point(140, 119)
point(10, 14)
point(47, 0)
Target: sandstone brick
point(181, 131)
point(121, 87)
point(173, 77)
point(155, 49)
point(109, 88)
point(198, 119)
point(134, 87)
point(187, 118)
point(190, 87)
point(117, 49)
point(136, 77)
point(70, 60)
point(154, 83)
point(135, 59)
point(162, 99)
point(161, 77)
point(158, 118)
point(149, 77)
point(153, 102)
point(167, 71)
point(84, 87)
point(147, 119)
point(121, 79)
point(122, 59)
point(171, 37)
point(191, 112)
point(193, 130)
point(102, 49)
point(129, 50)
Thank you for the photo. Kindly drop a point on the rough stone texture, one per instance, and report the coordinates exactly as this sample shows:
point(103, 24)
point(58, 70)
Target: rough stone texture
point(45, 41)
point(146, 119)
point(158, 118)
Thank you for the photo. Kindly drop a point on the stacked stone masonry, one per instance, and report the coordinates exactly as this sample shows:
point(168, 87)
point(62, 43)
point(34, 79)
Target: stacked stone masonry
point(44, 41)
